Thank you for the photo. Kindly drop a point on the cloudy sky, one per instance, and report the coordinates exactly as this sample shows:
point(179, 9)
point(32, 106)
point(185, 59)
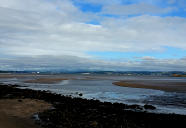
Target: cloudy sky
point(76, 35)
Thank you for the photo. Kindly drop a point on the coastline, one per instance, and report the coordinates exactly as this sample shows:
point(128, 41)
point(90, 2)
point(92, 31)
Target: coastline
point(76, 112)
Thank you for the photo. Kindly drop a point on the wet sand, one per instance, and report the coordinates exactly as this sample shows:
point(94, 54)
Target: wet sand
point(10, 75)
point(35, 78)
point(46, 80)
point(163, 86)
point(17, 113)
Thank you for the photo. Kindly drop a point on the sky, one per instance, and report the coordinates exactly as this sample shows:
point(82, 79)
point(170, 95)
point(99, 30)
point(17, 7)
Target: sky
point(93, 35)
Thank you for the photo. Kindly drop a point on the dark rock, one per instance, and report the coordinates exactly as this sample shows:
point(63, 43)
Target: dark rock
point(80, 94)
point(136, 107)
point(149, 107)
point(20, 100)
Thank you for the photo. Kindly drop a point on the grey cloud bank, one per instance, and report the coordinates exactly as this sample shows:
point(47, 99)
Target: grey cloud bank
point(135, 9)
point(72, 63)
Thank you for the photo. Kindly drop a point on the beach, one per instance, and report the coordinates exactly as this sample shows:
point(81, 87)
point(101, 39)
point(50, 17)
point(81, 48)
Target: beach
point(68, 112)
point(75, 100)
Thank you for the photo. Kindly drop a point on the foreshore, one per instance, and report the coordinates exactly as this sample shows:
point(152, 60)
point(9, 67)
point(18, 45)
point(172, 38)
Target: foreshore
point(170, 87)
point(67, 112)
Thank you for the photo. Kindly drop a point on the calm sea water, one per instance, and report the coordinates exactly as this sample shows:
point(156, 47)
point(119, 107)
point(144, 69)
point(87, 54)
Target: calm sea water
point(100, 87)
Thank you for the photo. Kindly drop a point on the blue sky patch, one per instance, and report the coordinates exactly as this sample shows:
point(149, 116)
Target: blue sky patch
point(94, 22)
point(87, 7)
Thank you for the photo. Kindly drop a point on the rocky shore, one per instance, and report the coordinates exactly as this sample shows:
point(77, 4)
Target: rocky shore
point(68, 112)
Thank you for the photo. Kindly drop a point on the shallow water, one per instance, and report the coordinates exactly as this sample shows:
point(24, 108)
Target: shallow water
point(101, 87)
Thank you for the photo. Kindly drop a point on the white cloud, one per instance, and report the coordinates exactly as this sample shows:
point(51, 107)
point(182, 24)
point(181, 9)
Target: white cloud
point(60, 35)
point(58, 28)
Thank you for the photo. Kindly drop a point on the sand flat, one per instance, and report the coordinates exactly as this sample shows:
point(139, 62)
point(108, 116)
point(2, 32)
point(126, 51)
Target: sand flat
point(169, 87)
point(15, 113)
